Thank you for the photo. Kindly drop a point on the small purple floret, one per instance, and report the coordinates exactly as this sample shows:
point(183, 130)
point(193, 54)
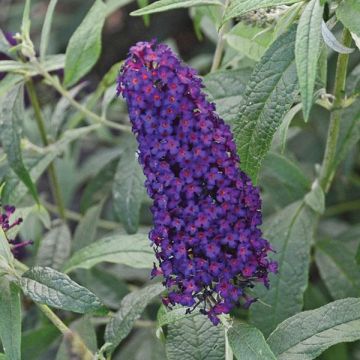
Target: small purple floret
point(206, 211)
point(6, 224)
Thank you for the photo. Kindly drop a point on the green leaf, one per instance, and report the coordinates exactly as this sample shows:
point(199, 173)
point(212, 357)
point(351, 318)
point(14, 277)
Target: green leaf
point(283, 180)
point(165, 5)
point(14, 191)
point(47, 286)
point(249, 40)
point(11, 114)
point(226, 88)
point(84, 46)
point(107, 286)
point(272, 85)
point(195, 338)
point(331, 41)
point(131, 308)
point(282, 132)
point(307, 51)
point(55, 247)
point(348, 12)
point(35, 342)
point(5, 252)
point(338, 268)
point(142, 346)
point(84, 328)
point(99, 187)
point(128, 189)
point(240, 7)
point(131, 250)
point(86, 230)
point(247, 342)
point(9, 81)
point(316, 198)
point(290, 232)
point(45, 32)
point(349, 133)
point(167, 317)
point(10, 315)
point(306, 335)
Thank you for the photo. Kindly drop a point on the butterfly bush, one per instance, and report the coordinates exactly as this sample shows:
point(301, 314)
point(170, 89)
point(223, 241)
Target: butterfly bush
point(206, 211)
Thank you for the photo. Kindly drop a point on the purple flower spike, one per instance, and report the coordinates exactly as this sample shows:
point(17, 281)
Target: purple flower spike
point(206, 211)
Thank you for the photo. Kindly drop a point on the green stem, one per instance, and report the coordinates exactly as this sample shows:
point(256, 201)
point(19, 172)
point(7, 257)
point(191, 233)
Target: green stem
point(72, 215)
point(54, 82)
point(54, 319)
point(81, 348)
point(220, 44)
point(59, 324)
point(342, 208)
point(54, 183)
point(327, 171)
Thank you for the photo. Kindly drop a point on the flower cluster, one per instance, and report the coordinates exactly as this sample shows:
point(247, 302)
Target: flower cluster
point(17, 247)
point(206, 211)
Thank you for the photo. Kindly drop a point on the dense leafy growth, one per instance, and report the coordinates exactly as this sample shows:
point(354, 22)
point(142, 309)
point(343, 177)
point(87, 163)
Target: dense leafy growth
point(281, 81)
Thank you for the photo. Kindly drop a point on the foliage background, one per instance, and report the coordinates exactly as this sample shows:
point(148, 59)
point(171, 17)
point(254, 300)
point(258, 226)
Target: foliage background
point(100, 184)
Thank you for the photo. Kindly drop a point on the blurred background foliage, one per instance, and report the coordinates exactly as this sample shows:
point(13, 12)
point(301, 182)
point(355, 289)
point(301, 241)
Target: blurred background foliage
point(89, 169)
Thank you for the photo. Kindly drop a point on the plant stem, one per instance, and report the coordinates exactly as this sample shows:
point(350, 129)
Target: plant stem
point(54, 82)
point(81, 348)
point(54, 183)
point(220, 44)
point(72, 215)
point(342, 208)
point(54, 319)
point(327, 171)
point(59, 324)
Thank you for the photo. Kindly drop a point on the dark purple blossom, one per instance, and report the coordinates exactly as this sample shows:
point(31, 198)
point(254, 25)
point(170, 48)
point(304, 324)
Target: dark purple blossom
point(6, 223)
point(206, 211)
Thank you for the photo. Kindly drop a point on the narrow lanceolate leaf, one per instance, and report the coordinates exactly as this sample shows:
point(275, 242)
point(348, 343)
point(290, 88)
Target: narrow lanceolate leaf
point(128, 190)
point(283, 179)
point(45, 32)
point(11, 114)
point(349, 133)
point(348, 12)
point(306, 335)
point(240, 7)
point(247, 342)
point(195, 338)
point(226, 88)
point(165, 5)
point(251, 41)
point(316, 199)
point(55, 247)
point(332, 42)
point(307, 51)
point(290, 232)
point(272, 85)
point(10, 315)
point(338, 269)
point(84, 47)
point(86, 230)
point(131, 308)
point(131, 250)
point(47, 286)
